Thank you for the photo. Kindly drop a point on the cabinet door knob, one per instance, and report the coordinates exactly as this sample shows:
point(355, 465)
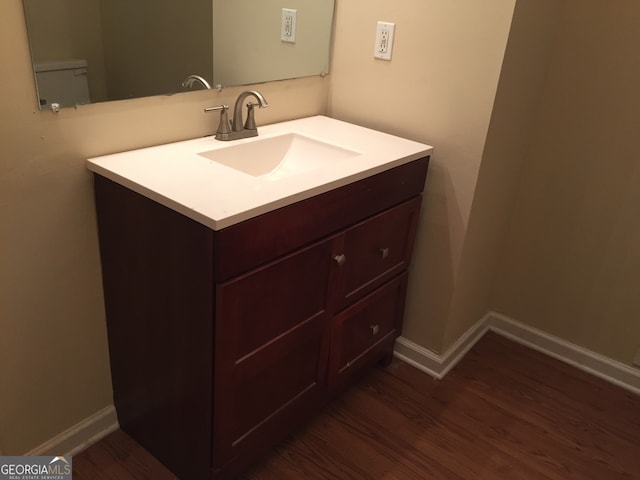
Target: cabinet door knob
point(374, 329)
point(340, 259)
point(384, 252)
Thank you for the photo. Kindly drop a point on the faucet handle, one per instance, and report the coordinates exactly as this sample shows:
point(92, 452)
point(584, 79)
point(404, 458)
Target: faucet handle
point(250, 123)
point(224, 125)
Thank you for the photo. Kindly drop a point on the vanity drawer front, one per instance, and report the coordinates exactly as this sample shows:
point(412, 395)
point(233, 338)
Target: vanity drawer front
point(271, 345)
point(262, 396)
point(270, 301)
point(265, 388)
point(376, 250)
point(367, 328)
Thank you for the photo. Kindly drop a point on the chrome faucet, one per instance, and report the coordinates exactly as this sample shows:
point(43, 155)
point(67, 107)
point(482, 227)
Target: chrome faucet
point(191, 79)
point(238, 129)
point(237, 112)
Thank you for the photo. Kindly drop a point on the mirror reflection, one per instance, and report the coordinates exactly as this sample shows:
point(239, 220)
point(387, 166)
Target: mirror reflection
point(86, 51)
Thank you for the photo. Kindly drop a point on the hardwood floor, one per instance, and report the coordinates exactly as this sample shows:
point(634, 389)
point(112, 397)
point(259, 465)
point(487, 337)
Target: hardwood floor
point(504, 412)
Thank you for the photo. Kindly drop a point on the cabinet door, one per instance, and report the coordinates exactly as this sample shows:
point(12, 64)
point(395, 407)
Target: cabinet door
point(272, 335)
point(376, 250)
point(366, 330)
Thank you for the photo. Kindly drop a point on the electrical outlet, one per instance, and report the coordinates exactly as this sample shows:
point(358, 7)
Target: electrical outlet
point(636, 361)
point(384, 40)
point(288, 26)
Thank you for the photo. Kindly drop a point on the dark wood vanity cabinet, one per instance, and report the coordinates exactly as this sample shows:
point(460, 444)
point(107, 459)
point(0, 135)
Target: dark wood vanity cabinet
point(223, 342)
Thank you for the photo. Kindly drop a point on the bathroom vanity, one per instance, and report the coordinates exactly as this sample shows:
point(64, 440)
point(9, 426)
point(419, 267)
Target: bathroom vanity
point(232, 321)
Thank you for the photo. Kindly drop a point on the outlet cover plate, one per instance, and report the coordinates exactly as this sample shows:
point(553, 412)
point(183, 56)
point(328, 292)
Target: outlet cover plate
point(288, 25)
point(384, 40)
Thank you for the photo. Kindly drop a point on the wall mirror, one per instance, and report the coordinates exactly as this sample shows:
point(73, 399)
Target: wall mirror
point(86, 51)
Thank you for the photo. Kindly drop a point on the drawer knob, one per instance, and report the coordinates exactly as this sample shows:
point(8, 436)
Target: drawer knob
point(374, 329)
point(340, 259)
point(384, 253)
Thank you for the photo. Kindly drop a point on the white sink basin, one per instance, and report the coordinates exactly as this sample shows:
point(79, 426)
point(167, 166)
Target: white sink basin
point(279, 157)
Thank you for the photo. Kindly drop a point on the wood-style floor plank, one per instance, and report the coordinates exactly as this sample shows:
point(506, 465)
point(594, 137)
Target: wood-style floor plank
point(118, 457)
point(504, 413)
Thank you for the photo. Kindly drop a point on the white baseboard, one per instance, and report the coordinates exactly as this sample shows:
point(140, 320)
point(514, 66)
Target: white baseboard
point(82, 435)
point(596, 364)
point(439, 365)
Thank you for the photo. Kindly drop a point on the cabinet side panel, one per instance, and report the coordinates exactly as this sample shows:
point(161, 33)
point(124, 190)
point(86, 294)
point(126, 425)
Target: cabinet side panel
point(157, 274)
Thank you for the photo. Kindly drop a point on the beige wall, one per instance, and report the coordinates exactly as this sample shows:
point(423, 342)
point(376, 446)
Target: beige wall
point(247, 46)
point(439, 88)
point(53, 349)
point(571, 263)
point(531, 41)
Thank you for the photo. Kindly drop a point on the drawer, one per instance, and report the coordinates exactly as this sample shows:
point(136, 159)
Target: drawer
point(376, 250)
point(361, 333)
point(262, 391)
point(261, 395)
point(259, 307)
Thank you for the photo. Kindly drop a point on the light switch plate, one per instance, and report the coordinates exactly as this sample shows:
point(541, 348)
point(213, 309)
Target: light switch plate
point(384, 40)
point(288, 25)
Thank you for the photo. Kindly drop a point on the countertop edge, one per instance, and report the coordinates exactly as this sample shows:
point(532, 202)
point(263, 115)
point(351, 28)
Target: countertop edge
point(258, 210)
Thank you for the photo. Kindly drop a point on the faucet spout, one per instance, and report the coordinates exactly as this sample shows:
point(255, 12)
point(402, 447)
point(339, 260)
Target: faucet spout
point(238, 125)
point(191, 79)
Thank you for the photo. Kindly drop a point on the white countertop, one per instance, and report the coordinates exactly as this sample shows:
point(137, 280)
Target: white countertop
point(218, 196)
